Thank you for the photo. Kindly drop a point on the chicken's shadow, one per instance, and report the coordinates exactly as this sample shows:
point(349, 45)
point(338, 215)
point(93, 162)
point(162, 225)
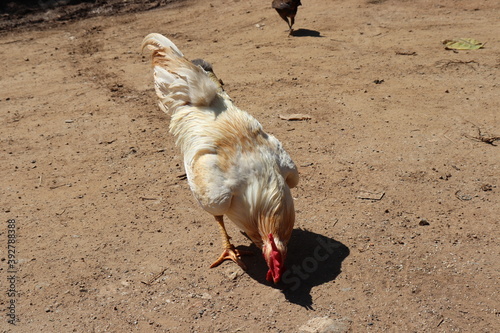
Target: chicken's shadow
point(312, 260)
point(306, 33)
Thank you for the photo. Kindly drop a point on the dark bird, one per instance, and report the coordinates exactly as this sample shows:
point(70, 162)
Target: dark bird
point(208, 68)
point(287, 9)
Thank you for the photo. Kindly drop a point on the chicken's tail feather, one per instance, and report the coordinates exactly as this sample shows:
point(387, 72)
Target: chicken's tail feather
point(178, 82)
point(156, 41)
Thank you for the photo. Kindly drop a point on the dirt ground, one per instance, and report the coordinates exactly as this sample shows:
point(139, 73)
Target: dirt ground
point(398, 204)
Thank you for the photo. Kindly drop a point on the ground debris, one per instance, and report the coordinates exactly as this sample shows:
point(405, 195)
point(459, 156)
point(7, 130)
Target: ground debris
point(325, 325)
point(366, 195)
point(155, 277)
point(462, 197)
point(407, 53)
point(449, 63)
point(487, 187)
point(481, 137)
point(295, 117)
point(462, 44)
point(423, 222)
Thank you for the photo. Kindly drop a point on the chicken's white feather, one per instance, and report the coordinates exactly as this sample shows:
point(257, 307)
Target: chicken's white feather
point(155, 40)
point(233, 167)
point(178, 82)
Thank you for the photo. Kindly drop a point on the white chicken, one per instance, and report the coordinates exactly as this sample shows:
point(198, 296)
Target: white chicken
point(233, 167)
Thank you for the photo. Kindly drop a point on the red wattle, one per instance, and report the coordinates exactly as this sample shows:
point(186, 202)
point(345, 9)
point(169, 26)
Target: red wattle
point(269, 275)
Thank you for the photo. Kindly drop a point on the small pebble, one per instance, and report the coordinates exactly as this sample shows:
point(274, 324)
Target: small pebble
point(423, 222)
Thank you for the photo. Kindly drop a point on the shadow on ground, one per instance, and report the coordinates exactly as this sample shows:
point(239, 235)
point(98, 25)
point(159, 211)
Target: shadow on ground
point(306, 33)
point(45, 13)
point(312, 260)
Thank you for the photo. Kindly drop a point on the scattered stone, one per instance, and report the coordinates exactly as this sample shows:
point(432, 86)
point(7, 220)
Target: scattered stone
point(463, 197)
point(487, 187)
point(325, 325)
point(445, 176)
point(233, 275)
point(423, 222)
point(206, 296)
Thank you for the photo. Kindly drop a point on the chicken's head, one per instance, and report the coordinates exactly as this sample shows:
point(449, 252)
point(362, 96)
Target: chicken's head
point(275, 257)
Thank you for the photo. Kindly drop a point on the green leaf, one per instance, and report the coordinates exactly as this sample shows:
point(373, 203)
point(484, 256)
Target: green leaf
point(462, 44)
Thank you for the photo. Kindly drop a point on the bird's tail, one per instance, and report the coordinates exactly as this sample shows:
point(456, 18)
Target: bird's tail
point(178, 81)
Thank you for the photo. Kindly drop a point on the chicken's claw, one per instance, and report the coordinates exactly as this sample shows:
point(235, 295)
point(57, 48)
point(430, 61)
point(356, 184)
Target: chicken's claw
point(233, 254)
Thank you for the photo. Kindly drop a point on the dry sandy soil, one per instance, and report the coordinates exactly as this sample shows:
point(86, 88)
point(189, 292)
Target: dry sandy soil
point(397, 208)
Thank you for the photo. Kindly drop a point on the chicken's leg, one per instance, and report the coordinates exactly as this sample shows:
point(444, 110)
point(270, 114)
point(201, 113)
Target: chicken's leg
point(292, 21)
point(290, 24)
point(230, 252)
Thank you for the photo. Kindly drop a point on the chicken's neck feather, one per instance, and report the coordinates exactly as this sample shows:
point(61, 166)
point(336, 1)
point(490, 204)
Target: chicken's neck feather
point(263, 206)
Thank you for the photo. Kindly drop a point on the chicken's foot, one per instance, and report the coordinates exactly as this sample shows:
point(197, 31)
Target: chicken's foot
point(230, 252)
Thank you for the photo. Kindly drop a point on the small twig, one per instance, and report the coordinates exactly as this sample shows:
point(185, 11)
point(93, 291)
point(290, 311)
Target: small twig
point(486, 139)
point(440, 322)
point(444, 135)
point(483, 138)
point(408, 53)
point(448, 138)
point(155, 277)
point(61, 212)
point(144, 198)
point(40, 180)
point(57, 186)
point(107, 142)
point(446, 63)
point(295, 117)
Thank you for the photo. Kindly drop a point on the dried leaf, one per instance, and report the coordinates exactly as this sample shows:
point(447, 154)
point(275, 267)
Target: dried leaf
point(295, 116)
point(462, 44)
